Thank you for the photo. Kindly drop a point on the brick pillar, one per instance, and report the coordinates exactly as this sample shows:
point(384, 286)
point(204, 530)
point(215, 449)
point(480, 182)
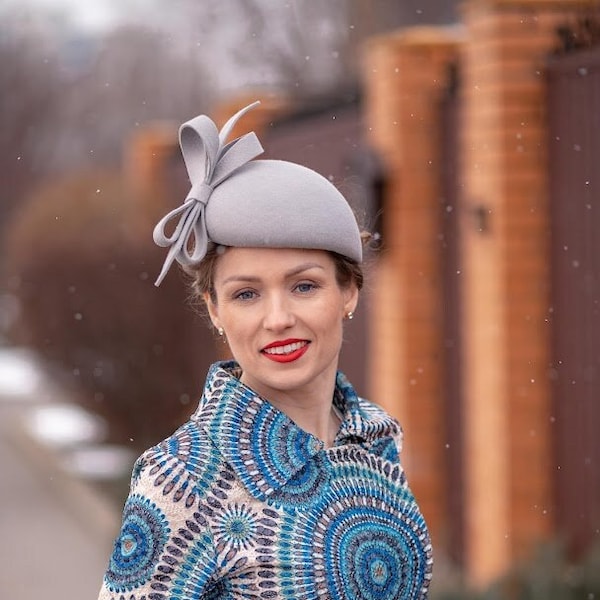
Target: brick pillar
point(508, 451)
point(405, 77)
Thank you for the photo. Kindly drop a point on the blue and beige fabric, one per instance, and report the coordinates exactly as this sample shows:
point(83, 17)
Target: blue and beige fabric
point(240, 503)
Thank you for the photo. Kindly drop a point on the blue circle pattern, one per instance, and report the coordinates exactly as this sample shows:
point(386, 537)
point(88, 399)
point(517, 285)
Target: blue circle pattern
point(366, 541)
point(265, 450)
point(306, 488)
point(143, 536)
point(236, 527)
point(369, 555)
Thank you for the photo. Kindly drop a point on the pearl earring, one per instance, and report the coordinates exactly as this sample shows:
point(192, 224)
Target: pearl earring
point(350, 315)
point(221, 331)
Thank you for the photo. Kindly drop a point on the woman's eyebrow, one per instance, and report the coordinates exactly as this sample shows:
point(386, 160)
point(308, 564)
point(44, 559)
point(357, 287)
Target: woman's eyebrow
point(291, 273)
point(241, 278)
point(303, 267)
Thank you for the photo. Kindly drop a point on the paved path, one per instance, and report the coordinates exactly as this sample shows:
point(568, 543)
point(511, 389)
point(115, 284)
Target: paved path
point(55, 532)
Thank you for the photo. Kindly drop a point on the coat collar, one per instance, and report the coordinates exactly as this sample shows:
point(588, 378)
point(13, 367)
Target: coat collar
point(261, 443)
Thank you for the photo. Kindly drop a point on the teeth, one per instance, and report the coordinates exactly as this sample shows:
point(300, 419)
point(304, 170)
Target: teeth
point(285, 349)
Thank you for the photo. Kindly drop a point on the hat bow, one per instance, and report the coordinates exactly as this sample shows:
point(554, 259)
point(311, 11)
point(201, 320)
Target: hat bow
point(209, 161)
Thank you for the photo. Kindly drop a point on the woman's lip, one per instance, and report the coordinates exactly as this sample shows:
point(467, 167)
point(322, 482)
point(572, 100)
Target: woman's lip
point(280, 343)
point(289, 356)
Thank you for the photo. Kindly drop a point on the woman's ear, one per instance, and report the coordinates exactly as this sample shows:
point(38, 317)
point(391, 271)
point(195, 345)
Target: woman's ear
point(351, 298)
point(212, 308)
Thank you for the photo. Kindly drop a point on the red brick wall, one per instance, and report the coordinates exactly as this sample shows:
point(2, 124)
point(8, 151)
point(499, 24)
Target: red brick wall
point(506, 294)
point(405, 77)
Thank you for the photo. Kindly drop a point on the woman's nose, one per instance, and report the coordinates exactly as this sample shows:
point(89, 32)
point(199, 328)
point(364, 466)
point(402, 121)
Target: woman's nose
point(278, 315)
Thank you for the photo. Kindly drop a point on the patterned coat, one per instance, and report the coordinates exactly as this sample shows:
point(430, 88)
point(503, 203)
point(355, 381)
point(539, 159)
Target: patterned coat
point(240, 503)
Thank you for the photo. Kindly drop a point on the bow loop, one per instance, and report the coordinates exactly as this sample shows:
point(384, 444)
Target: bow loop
point(235, 155)
point(159, 234)
point(200, 145)
point(209, 161)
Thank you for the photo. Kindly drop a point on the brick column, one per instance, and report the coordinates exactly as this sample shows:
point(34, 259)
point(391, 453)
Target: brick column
point(405, 76)
point(506, 295)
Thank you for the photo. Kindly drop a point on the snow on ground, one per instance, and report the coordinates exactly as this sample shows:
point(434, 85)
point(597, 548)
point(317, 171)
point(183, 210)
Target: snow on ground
point(74, 435)
point(20, 375)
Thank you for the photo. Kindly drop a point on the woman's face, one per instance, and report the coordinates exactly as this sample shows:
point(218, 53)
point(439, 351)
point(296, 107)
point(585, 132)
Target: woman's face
point(282, 313)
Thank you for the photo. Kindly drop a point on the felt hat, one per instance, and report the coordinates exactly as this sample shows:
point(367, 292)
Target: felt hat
point(238, 201)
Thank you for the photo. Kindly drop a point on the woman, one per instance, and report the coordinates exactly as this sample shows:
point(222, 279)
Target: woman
point(284, 483)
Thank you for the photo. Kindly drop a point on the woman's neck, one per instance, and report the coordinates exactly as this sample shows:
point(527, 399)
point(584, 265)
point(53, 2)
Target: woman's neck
point(319, 420)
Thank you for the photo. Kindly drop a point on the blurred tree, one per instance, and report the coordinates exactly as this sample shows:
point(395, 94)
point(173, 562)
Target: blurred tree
point(29, 80)
point(299, 47)
point(83, 277)
point(137, 76)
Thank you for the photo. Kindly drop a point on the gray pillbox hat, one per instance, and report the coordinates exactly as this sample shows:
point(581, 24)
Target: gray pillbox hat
point(237, 201)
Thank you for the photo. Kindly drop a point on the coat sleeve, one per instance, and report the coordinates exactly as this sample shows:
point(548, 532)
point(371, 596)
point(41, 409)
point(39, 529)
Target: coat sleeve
point(398, 437)
point(164, 548)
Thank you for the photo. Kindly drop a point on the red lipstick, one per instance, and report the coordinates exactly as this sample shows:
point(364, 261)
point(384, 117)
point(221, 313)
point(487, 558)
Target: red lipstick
point(285, 351)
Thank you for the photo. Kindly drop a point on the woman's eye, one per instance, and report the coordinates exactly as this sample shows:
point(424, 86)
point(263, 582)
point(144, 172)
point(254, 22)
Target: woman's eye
point(305, 287)
point(245, 295)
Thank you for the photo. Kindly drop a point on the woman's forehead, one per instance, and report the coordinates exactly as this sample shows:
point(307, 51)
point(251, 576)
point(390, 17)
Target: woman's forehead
point(260, 263)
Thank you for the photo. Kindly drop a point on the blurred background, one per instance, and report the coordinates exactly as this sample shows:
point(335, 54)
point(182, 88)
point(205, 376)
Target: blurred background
point(467, 135)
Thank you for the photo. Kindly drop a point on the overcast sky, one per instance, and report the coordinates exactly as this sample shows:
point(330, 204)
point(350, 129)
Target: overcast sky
point(90, 15)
